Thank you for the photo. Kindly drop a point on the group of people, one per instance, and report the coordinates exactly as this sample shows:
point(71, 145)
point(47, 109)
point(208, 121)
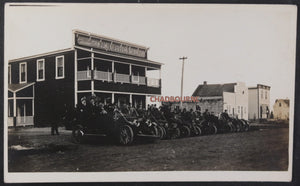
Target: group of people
point(92, 107)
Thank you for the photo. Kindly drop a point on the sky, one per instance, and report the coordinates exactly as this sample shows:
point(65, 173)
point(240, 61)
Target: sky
point(255, 44)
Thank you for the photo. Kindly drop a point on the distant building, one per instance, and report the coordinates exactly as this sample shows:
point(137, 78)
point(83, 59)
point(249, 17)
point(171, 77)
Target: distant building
point(281, 109)
point(259, 102)
point(217, 98)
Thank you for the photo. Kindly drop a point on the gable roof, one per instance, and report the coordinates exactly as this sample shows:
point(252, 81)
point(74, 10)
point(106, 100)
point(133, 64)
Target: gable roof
point(206, 90)
point(41, 55)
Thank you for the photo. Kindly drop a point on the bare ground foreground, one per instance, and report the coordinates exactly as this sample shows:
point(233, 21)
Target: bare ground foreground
point(264, 148)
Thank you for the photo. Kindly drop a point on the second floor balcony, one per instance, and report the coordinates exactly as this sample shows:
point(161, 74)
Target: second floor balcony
point(99, 69)
point(117, 78)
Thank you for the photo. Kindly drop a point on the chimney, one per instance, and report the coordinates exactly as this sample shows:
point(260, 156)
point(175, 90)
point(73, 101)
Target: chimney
point(204, 82)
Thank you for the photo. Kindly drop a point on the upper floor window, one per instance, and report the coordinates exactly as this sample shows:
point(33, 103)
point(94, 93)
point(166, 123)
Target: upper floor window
point(266, 95)
point(9, 74)
point(40, 66)
point(262, 94)
point(60, 67)
point(23, 72)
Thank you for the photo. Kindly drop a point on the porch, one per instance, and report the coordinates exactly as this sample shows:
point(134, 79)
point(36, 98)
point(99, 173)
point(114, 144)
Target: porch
point(136, 100)
point(20, 105)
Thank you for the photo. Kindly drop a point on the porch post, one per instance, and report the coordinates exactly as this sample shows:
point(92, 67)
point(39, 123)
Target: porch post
point(24, 118)
point(33, 101)
point(92, 72)
point(146, 78)
point(15, 109)
point(130, 71)
point(146, 105)
point(75, 79)
point(112, 98)
point(113, 71)
point(160, 73)
point(130, 99)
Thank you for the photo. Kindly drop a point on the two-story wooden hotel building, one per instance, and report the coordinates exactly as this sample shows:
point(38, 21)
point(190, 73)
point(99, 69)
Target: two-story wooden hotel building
point(40, 87)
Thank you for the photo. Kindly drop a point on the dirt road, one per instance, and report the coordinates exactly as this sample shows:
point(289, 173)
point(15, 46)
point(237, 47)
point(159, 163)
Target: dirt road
point(263, 149)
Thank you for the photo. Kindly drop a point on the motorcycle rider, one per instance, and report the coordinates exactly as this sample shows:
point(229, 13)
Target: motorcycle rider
point(206, 114)
point(81, 110)
point(225, 116)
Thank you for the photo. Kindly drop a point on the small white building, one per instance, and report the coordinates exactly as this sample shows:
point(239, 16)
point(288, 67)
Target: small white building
point(217, 98)
point(259, 102)
point(281, 109)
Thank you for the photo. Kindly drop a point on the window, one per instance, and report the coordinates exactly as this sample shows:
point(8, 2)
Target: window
point(239, 109)
point(9, 74)
point(60, 70)
point(266, 95)
point(279, 104)
point(40, 66)
point(23, 72)
point(262, 94)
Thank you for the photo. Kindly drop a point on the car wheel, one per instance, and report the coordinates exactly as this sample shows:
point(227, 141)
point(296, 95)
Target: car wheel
point(77, 135)
point(126, 135)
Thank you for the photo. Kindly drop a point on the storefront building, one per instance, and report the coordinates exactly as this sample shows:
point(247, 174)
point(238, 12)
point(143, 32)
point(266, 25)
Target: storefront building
point(42, 87)
point(259, 102)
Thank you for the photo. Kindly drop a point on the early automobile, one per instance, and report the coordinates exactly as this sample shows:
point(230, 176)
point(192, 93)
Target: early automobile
point(112, 124)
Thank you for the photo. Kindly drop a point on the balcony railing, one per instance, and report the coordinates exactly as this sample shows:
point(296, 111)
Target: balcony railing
point(117, 77)
point(152, 82)
point(141, 80)
point(104, 76)
point(84, 75)
point(20, 121)
point(123, 78)
point(10, 121)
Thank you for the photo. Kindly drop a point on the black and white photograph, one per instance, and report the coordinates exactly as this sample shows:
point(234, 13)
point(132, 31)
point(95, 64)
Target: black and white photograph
point(148, 92)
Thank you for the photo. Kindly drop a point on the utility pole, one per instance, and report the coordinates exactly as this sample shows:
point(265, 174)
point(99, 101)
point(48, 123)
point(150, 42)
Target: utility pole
point(182, 58)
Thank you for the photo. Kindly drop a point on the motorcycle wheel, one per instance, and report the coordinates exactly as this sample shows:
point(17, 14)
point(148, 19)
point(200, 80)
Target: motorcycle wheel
point(230, 128)
point(185, 132)
point(160, 132)
point(246, 127)
point(213, 129)
point(164, 133)
point(238, 128)
point(233, 128)
point(175, 133)
point(198, 131)
point(77, 135)
point(242, 127)
point(126, 135)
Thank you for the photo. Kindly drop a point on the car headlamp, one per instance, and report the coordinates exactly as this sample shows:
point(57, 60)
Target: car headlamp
point(166, 125)
point(148, 122)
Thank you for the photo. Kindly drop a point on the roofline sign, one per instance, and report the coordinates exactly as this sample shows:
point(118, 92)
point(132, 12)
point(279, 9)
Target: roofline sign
point(108, 45)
